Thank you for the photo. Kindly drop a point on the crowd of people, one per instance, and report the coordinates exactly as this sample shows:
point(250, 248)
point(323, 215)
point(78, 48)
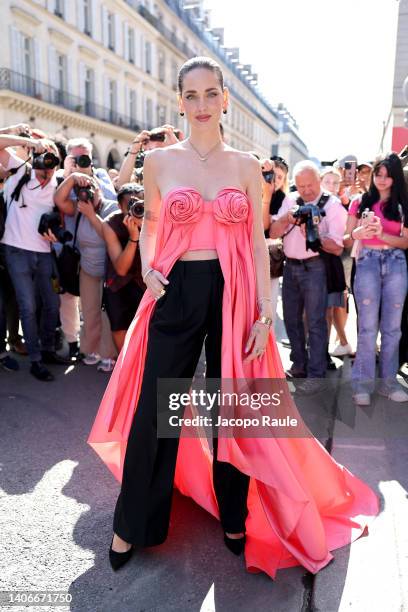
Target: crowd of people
point(332, 232)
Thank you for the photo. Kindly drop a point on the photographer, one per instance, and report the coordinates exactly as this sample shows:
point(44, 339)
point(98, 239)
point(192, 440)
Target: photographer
point(27, 254)
point(124, 286)
point(160, 137)
point(274, 189)
point(304, 279)
point(79, 159)
point(96, 338)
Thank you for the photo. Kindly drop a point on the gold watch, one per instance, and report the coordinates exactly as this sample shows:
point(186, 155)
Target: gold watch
point(265, 321)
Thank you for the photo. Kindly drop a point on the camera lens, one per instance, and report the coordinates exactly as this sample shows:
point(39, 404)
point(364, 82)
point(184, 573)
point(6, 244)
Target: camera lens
point(136, 208)
point(83, 161)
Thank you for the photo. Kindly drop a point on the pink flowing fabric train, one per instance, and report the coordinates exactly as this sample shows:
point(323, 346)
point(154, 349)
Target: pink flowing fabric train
point(302, 504)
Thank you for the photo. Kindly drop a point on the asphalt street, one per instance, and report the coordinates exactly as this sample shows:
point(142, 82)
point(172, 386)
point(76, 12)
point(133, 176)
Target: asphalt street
point(57, 499)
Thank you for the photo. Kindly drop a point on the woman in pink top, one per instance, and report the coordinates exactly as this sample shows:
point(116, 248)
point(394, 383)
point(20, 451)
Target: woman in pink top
point(205, 263)
point(379, 219)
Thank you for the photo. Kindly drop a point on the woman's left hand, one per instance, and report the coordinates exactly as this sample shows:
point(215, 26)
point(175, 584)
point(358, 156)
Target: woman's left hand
point(257, 341)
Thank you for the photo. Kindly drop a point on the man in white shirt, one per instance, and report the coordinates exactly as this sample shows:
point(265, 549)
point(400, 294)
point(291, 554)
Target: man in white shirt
point(27, 253)
point(304, 287)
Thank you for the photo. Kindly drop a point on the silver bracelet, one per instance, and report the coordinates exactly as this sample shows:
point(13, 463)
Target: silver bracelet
point(146, 273)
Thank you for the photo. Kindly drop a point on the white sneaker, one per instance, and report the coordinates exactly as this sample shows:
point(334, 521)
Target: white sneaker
point(106, 365)
point(362, 399)
point(398, 395)
point(341, 351)
point(91, 359)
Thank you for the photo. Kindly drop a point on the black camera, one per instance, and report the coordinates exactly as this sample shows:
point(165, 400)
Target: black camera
point(136, 207)
point(139, 160)
point(157, 136)
point(83, 161)
point(45, 161)
point(52, 221)
point(269, 176)
point(310, 215)
point(84, 194)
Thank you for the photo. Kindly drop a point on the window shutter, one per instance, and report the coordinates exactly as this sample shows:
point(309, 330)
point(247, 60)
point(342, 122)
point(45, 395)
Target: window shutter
point(96, 30)
point(52, 66)
point(16, 50)
point(127, 101)
point(37, 63)
point(105, 29)
point(118, 35)
point(80, 15)
point(126, 41)
point(81, 81)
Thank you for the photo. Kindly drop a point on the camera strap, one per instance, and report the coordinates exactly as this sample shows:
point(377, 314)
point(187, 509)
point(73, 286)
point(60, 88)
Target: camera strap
point(324, 198)
point(15, 195)
point(76, 229)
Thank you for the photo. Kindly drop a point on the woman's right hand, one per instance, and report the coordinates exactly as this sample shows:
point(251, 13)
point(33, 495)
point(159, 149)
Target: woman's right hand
point(365, 232)
point(155, 282)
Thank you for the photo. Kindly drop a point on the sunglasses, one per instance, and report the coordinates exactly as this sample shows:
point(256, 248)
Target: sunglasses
point(280, 160)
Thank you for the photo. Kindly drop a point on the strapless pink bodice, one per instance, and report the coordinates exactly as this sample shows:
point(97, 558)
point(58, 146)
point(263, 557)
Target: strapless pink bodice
point(185, 205)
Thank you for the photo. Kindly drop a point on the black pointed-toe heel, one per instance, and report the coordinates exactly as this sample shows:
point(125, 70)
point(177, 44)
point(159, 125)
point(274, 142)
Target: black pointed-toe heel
point(117, 560)
point(236, 546)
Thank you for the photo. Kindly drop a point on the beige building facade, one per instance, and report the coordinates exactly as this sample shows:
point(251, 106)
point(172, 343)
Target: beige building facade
point(104, 69)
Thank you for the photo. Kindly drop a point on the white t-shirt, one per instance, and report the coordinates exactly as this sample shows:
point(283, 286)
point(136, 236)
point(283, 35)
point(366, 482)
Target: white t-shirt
point(22, 222)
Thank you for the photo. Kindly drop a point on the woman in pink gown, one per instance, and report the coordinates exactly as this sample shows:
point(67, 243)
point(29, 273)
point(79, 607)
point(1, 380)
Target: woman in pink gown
point(284, 500)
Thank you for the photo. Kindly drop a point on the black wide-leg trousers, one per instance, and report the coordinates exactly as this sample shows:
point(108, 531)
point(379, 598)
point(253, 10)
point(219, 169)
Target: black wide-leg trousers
point(189, 314)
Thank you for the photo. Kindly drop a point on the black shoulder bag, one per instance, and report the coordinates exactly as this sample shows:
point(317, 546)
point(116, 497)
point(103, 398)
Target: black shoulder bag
point(336, 281)
point(68, 264)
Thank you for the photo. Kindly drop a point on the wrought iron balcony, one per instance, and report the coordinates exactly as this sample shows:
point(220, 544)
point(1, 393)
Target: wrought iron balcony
point(20, 83)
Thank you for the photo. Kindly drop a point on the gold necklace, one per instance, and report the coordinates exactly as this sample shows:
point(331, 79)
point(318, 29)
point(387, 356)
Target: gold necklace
point(203, 158)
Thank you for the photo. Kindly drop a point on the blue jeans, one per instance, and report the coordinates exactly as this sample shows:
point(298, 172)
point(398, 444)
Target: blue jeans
point(304, 289)
point(381, 281)
point(31, 274)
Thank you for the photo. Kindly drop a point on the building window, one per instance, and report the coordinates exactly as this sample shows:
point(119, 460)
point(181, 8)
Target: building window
point(28, 65)
point(87, 17)
point(111, 31)
point(131, 45)
point(148, 57)
point(161, 114)
point(174, 75)
point(112, 99)
point(89, 89)
point(149, 112)
point(59, 8)
point(62, 72)
point(132, 104)
point(162, 67)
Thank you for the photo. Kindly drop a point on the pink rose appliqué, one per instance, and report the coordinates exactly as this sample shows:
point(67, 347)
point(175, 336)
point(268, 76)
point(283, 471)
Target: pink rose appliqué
point(184, 206)
point(231, 206)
